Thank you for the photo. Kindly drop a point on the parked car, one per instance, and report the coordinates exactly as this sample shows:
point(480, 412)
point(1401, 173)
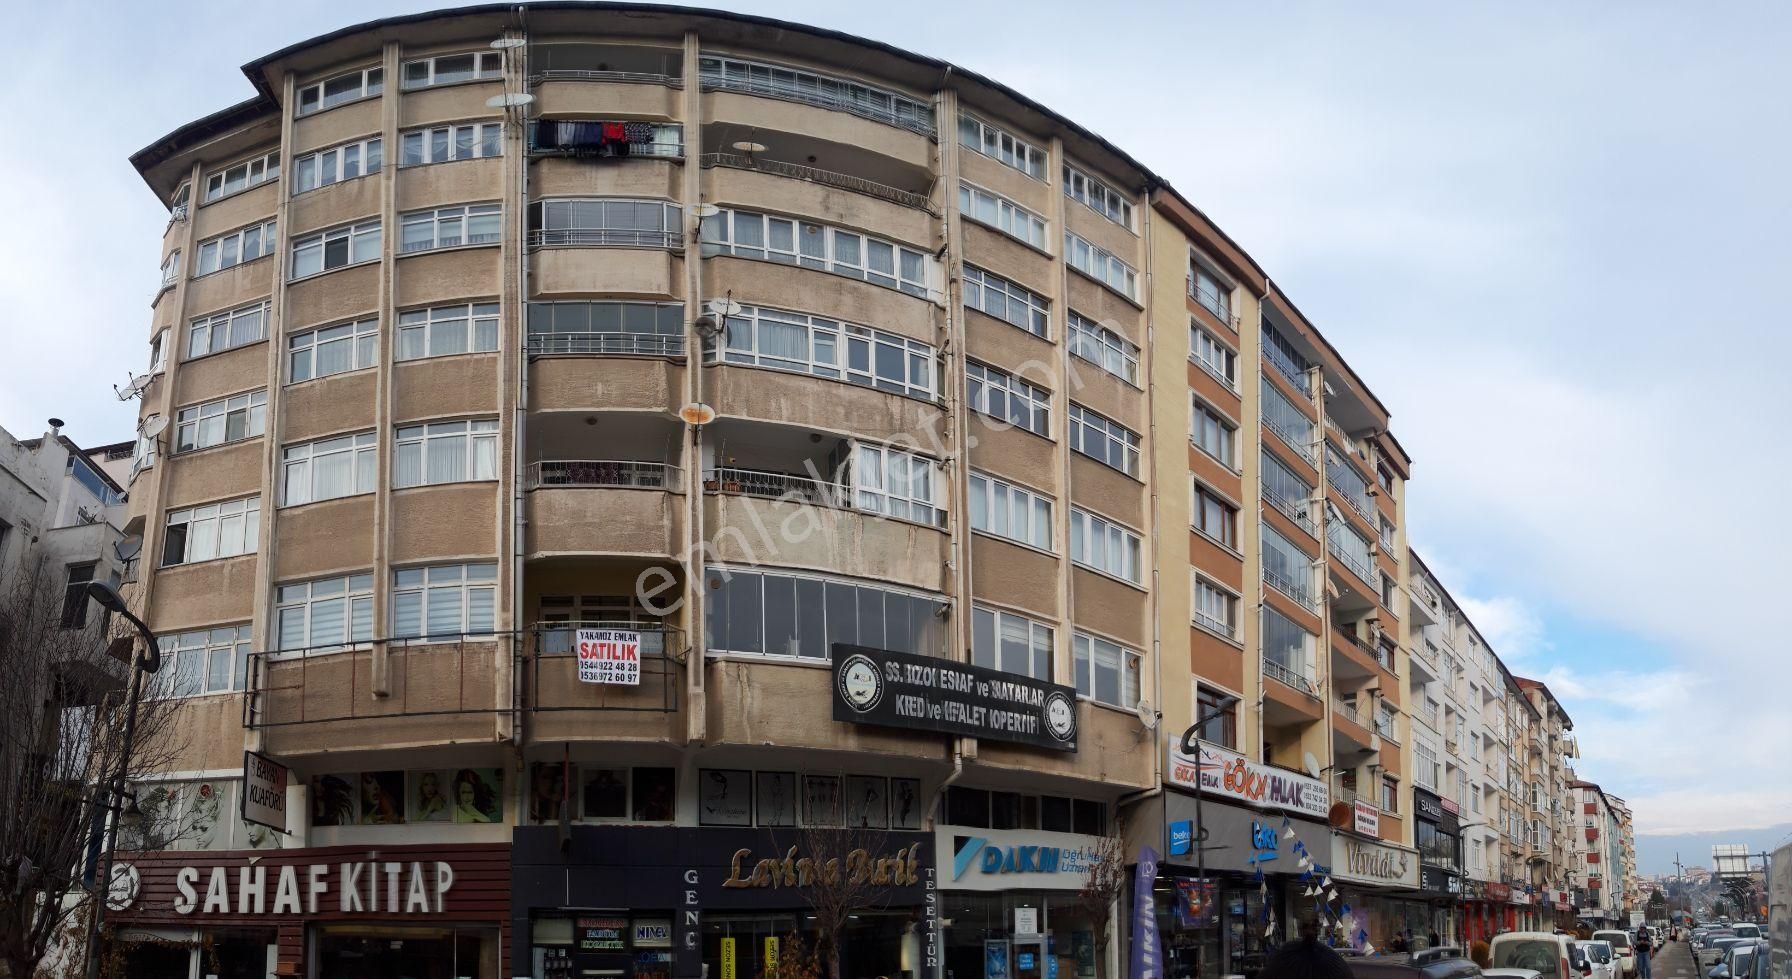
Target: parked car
point(1622, 948)
point(1714, 949)
point(1411, 967)
point(1738, 961)
point(1600, 953)
point(1552, 956)
point(1511, 974)
point(1436, 952)
point(1747, 931)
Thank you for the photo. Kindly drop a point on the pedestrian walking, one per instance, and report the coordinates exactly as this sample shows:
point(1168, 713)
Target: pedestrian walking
point(1643, 947)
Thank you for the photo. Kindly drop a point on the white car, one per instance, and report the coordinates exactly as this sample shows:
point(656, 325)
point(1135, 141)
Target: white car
point(1622, 948)
point(1552, 956)
point(1600, 953)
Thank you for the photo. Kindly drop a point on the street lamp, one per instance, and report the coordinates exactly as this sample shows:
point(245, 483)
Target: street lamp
point(1189, 747)
point(148, 661)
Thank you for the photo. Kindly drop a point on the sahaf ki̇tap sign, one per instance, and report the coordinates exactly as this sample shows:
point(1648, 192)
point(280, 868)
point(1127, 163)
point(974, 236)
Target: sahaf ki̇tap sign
point(609, 656)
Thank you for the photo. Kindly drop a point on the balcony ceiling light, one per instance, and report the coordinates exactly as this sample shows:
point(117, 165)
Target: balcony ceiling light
point(748, 146)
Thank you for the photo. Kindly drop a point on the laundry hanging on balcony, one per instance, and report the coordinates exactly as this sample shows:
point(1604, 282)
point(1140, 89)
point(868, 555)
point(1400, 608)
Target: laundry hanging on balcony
point(581, 137)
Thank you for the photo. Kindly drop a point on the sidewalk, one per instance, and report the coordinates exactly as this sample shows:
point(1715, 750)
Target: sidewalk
point(1674, 962)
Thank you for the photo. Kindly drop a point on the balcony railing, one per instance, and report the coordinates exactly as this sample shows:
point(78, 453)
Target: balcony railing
point(827, 93)
point(1288, 586)
point(448, 241)
point(1299, 512)
point(1212, 624)
point(1286, 367)
point(606, 238)
point(1212, 300)
point(420, 676)
point(552, 683)
point(602, 472)
point(1293, 678)
point(587, 75)
point(1291, 439)
point(1356, 566)
point(1352, 710)
point(771, 485)
point(610, 344)
point(829, 178)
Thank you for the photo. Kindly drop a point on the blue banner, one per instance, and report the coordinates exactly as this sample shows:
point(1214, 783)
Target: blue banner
point(1147, 956)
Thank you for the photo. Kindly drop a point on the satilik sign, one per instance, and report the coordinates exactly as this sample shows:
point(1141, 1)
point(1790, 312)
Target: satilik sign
point(609, 656)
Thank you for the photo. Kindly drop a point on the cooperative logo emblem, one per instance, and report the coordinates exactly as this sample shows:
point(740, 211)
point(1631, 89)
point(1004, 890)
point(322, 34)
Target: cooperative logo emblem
point(1060, 716)
point(861, 685)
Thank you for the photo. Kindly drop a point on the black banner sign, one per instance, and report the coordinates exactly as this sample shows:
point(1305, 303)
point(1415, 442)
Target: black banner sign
point(891, 689)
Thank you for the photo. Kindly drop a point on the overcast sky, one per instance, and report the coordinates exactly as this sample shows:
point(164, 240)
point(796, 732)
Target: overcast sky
point(1551, 237)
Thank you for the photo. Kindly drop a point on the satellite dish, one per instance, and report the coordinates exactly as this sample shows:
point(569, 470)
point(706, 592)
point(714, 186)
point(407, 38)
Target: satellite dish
point(1312, 763)
point(509, 42)
point(697, 414)
point(133, 388)
point(707, 210)
point(724, 307)
point(1147, 715)
point(129, 547)
point(509, 100)
point(153, 426)
point(748, 146)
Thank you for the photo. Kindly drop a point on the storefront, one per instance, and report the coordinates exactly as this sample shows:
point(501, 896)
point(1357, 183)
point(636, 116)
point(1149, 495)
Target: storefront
point(1009, 904)
point(1375, 878)
point(654, 902)
point(1437, 834)
point(1486, 910)
point(340, 912)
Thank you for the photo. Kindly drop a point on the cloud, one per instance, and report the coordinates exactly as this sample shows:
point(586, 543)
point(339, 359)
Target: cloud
point(1510, 626)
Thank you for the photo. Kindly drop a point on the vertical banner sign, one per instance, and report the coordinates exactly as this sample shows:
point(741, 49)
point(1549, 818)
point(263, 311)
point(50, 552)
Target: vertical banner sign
point(729, 970)
point(1147, 959)
point(934, 967)
point(609, 656)
point(264, 791)
point(770, 961)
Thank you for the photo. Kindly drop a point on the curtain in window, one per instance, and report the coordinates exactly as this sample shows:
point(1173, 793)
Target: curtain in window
point(447, 459)
point(327, 622)
point(408, 463)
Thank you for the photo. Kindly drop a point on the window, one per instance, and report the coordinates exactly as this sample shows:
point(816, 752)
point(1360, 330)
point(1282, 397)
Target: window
point(218, 422)
point(336, 164)
point(1387, 590)
point(1426, 771)
point(590, 138)
point(446, 330)
point(1011, 643)
point(328, 468)
point(222, 331)
point(1287, 651)
point(1384, 477)
point(1102, 545)
point(1350, 547)
point(442, 144)
point(324, 613)
point(74, 596)
point(204, 661)
point(332, 350)
point(893, 482)
point(336, 248)
point(797, 85)
point(992, 209)
point(1106, 441)
point(747, 234)
point(1286, 491)
point(1387, 533)
point(448, 227)
point(1221, 711)
point(1214, 357)
point(445, 452)
point(1285, 357)
point(1097, 196)
point(1212, 433)
point(333, 92)
point(1461, 784)
point(242, 176)
point(606, 327)
point(1216, 608)
point(1003, 147)
point(1207, 289)
point(1390, 795)
point(778, 614)
point(984, 809)
point(608, 222)
point(1289, 423)
point(990, 293)
point(1104, 348)
point(171, 269)
point(1006, 510)
point(785, 340)
point(450, 68)
point(1101, 265)
point(1348, 482)
point(1213, 516)
point(444, 600)
point(214, 530)
point(1105, 671)
point(1008, 398)
point(235, 248)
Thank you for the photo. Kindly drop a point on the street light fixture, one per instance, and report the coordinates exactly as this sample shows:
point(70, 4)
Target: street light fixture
point(148, 661)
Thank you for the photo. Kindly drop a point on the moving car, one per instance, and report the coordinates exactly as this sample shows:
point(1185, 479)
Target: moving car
point(1602, 957)
point(1552, 956)
point(1622, 948)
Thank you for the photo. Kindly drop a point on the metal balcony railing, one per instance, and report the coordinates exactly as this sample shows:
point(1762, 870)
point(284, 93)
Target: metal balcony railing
point(770, 485)
point(1286, 367)
point(1298, 511)
point(589, 75)
point(551, 667)
point(1356, 566)
point(602, 472)
point(1302, 595)
point(1212, 300)
point(1212, 624)
point(827, 93)
point(607, 344)
point(645, 151)
point(420, 676)
point(1352, 710)
point(1292, 439)
point(1293, 678)
point(605, 238)
point(829, 178)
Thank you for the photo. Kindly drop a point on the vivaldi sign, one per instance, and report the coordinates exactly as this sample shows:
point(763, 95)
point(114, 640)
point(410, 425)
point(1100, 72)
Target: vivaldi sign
point(1363, 861)
point(1230, 775)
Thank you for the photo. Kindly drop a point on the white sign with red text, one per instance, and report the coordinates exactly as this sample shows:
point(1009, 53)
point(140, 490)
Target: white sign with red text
point(1227, 773)
point(610, 656)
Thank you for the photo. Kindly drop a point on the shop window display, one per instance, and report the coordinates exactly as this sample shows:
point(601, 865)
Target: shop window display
point(380, 951)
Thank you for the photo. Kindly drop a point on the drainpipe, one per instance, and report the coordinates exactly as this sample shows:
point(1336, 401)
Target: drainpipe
point(519, 519)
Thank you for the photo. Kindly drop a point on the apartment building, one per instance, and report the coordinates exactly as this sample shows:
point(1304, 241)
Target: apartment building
point(1548, 849)
point(1625, 880)
point(1599, 891)
point(62, 516)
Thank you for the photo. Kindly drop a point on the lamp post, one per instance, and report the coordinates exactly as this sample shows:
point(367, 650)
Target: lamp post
point(148, 661)
point(1189, 747)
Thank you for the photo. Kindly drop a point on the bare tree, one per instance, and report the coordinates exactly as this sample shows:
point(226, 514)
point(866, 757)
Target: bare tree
point(843, 871)
point(62, 702)
point(1106, 882)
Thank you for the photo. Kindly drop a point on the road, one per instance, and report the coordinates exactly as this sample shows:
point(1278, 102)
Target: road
point(1674, 962)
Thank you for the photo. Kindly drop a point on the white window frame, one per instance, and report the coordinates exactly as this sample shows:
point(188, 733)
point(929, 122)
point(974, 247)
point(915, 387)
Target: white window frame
point(225, 324)
point(1104, 348)
point(1008, 301)
point(831, 348)
point(158, 350)
point(257, 170)
point(199, 419)
point(1002, 146)
point(895, 483)
point(474, 325)
point(1002, 509)
point(819, 246)
point(992, 210)
point(1300, 589)
point(354, 591)
point(606, 234)
point(1425, 765)
point(360, 236)
point(361, 337)
point(984, 383)
point(454, 141)
point(1106, 546)
point(1217, 299)
point(813, 88)
point(1098, 196)
point(171, 269)
point(478, 449)
point(302, 464)
point(989, 649)
point(1090, 429)
point(1205, 420)
point(466, 593)
point(214, 531)
point(452, 227)
point(486, 65)
point(1219, 360)
point(332, 164)
point(258, 236)
point(1086, 652)
point(231, 642)
point(311, 99)
point(1211, 596)
point(1101, 265)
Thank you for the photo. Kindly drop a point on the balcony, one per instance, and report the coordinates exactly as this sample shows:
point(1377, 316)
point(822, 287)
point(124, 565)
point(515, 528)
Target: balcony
point(817, 175)
point(768, 484)
point(1302, 446)
point(1290, 677)
point(600, 472)
point(1340, 550)
point(1299, 511)
point(1207, 294)
point(810, 88)
point(605, 238)
point(551, 685)
point(1285, 366)
point(1301, 594)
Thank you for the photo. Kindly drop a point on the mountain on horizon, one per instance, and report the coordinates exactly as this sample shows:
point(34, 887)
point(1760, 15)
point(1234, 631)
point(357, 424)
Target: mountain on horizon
point(1655, 854)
